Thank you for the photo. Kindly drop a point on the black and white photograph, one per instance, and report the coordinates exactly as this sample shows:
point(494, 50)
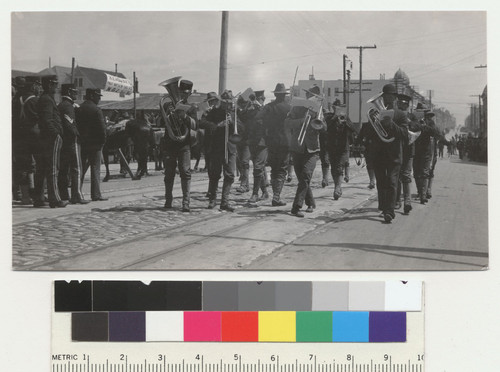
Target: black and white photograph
point(249, 140)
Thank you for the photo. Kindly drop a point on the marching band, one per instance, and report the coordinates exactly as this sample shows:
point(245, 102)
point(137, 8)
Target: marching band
point(238, 129)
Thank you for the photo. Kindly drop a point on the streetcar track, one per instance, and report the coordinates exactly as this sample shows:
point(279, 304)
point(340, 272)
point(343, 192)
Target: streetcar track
point(214, 235)
point(130, 240)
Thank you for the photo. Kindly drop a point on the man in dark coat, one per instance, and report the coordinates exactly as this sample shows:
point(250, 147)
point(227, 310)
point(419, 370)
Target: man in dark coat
point(339, 136)
point(305, 152)
point(92, 129)
point(219, 122)
point(425, 147)
point(178, 154)
point(273, 117)
point(71, 159)
point(25, 135)
point(388, 155)
point(51, 132)
point(255, 133)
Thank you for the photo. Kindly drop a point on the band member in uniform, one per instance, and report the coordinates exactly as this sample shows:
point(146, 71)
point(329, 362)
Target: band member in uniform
point(273, 117)
point(339, 136)
point(213, 101)
point(92, 129)
point(425, 147)
point(388, 155)
point(303, 127)
point(25, 136)
point(260, 98)
point(220, 122)
point(178, 154)
point(51, 132)
point(403, 104)
point(71, 159)
point(243, 151)
point(254, 133)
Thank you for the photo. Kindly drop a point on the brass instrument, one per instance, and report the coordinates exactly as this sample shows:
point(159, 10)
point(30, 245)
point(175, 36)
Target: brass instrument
point(173, 125)
point(235, 137)
point(374, 115)
point(312, 107)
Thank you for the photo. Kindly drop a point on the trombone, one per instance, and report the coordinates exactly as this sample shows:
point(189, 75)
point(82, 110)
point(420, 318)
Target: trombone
point(316, 124)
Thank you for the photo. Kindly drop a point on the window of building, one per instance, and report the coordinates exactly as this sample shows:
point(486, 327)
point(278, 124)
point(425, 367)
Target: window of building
point(329, 92)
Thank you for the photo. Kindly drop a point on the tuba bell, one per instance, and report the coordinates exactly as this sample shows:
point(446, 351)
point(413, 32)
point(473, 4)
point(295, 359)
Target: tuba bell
point(374, 114)
point(173, 126)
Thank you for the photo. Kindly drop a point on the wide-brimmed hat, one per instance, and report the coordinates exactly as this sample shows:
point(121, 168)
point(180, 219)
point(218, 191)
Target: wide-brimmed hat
point(314, 90)
point(389, 89)
point(280, 89)
point(421, 106)
point(429, 114)
point(212, 95)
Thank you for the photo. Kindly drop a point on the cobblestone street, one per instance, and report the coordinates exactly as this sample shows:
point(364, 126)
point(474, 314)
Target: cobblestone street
point(132, 230)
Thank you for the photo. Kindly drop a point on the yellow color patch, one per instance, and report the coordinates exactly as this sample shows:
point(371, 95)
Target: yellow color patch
point(277, 326)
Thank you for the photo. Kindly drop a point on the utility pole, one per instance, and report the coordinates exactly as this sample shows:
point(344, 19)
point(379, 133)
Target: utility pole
point(73, 70)
point(361, 72)
point(479, 107)
point(430, 98)
point(134, 90)
point(223, 52)
point(348, 90)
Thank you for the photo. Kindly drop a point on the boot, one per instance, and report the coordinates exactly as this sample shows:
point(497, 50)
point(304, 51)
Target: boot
point(324, 181)
point(186, 194)
point(244, 186)
point(429, 188)
point(257, 184)
point(407, 198)
point(277, 185)
point(263, 188)
point(337, 193)
point(346, 177)
point(371, 174)
point(398, 197)
point(418, 184)
point(423, 191)
point(224, 202)
point(169, 185)
point(25, 195)
point(254, 198)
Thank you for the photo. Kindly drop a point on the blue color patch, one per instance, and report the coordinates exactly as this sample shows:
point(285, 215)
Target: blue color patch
point(350, 326)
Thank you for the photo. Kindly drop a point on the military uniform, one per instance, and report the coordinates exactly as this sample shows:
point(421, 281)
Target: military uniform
point(71, 159)
point(215, 124)
point(388, 158)
point(92, 129)
point(305, 157)
point(339, 136)
point(273, 117)
point(25, 138)
point(178, 154)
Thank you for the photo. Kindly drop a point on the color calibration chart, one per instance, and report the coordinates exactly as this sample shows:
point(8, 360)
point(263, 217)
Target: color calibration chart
point(195, 326)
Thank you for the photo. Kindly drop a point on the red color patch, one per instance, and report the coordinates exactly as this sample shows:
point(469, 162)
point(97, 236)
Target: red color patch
point(240, 326)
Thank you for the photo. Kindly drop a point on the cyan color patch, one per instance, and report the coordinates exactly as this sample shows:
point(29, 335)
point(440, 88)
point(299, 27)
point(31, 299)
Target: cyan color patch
point(350, 326)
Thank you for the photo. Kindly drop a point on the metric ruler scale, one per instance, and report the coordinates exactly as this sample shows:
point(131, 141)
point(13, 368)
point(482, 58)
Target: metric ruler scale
point(162, 365)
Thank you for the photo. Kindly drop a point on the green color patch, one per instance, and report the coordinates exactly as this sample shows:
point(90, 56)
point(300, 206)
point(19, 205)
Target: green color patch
point(314, 326)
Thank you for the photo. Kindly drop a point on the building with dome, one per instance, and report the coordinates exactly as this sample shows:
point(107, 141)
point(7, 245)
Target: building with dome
point(332, 90)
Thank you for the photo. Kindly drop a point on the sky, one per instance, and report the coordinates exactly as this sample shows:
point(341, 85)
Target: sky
point(439, 50)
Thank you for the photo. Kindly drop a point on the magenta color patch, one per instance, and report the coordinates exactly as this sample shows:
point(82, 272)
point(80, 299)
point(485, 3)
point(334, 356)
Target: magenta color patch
point(202, 326)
